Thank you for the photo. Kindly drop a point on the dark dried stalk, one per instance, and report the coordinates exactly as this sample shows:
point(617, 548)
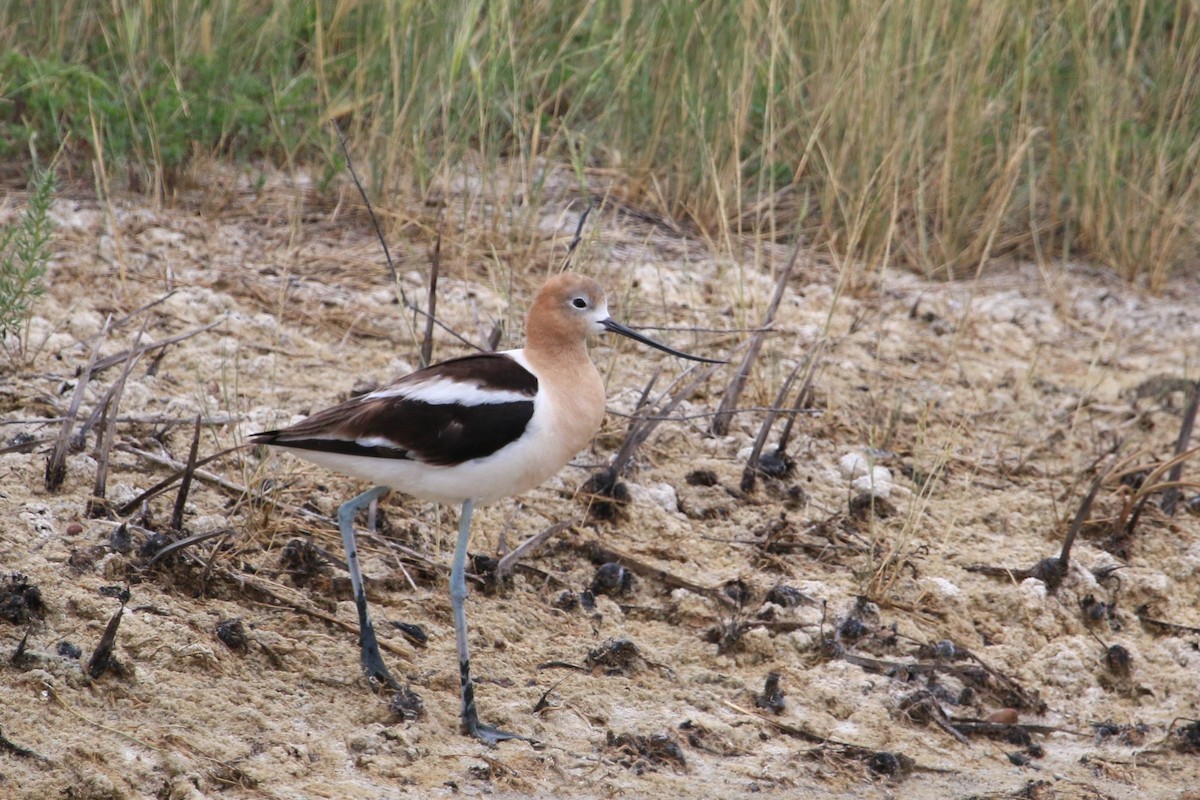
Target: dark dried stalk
point(185, 484)
point(97, 507)
point(56, 466)
point(750, 473)
point(119, 358)
point(165, 483)
point(733, 392)
point(370, 211)
point(641, 427)
point(566, 262)
point(1170, 495)
point(525, 548)
point(804, 396)
point(434, 269)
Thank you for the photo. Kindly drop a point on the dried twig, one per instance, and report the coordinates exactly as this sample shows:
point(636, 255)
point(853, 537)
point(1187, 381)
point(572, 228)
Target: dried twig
point(435, 268)
point(803, 396)
point(95, 368)
point(733, 392)
point(1170, 495)
point(96, 505)
point(8, 746)
point(750, 473)
point(506, 564)
point(603, 554)
point(102, 660)
point(370, 210)
point(56, 466)
point(162, 461)
point(566, 262)
point(165, 483)
point(182, 544)
point(643, 425)
point(185, 482)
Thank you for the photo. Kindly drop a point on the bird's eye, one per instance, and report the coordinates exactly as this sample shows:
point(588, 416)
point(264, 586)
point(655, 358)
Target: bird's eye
point(579, 302)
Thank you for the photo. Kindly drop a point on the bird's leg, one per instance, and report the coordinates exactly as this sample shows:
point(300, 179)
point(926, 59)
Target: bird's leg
point(458, 599)
point(372, 661)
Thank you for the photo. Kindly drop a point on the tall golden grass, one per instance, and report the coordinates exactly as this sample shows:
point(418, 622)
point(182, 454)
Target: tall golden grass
point(930, 134)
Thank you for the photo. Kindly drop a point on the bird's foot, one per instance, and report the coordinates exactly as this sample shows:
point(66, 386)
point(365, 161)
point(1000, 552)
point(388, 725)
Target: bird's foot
point(489, 735)
point(377, 672)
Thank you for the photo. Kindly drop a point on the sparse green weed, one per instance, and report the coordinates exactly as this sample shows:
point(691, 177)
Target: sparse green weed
point(24, 255)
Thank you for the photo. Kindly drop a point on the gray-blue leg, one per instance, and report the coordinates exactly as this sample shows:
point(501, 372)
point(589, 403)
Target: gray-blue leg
point(372, 660)
point(458, 600)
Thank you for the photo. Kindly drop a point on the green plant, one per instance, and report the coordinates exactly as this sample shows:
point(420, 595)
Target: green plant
point(24, 254)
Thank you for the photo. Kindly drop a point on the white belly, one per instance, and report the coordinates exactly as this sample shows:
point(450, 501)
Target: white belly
point(554, 435)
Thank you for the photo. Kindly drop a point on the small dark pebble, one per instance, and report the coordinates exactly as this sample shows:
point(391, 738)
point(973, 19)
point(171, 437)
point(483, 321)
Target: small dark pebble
point(1049, 571)
point(484, 566)
point(944, 650)
point(83, 559)
point(612, 578)
point(851, 630)
point(19, 441)
point(1118, 661)
point(587, 600)
point(616, 657)
point(775, 464)
point(414, 633)
point(1019, 759)
point(1036, 751)
point(784, 596)
point(20, 600)
point(701, 477)
point(232, 634)
point(1187, 738)
point(74, 529)
point(1094, 610)
point(1192, 506)
point(152, 545)
point(1018, 736)
point(795, 497)
point(738, 591)
point(605, 495)
point(406, 704)
point(771, 698)
point(68, 650)
point(649, 751)
point(567, 600)
point(1129, 735)
point(302, 560)
point(120, 540)
point(864, 505)
point(116, 592)
point(1135, 479)
point(885, 763)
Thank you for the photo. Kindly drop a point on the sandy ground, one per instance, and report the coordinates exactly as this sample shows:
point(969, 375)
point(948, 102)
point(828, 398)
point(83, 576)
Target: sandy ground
point(986, 408)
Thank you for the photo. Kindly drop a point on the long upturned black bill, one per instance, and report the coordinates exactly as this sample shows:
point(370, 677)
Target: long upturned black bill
point(611, 324)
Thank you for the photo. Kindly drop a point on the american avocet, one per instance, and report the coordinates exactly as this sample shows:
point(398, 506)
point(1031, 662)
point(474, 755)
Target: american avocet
point(469, 430)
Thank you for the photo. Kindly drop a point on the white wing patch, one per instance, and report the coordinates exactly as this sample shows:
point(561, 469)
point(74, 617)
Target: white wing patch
point(444, 391)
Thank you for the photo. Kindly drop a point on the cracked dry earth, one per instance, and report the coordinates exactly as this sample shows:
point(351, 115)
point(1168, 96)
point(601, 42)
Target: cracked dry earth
point(977, 413)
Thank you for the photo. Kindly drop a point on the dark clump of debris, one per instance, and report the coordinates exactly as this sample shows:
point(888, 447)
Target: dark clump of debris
point(303, 562)
point(612, 578)
point(645, 753)
point(20, 599)
point(771, 698)
point(1187, 738)
point(606, 495)
point(232, 634)
point(615, 657)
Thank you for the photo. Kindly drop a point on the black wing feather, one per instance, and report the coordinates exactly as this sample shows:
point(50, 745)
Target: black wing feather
point(443, 434)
